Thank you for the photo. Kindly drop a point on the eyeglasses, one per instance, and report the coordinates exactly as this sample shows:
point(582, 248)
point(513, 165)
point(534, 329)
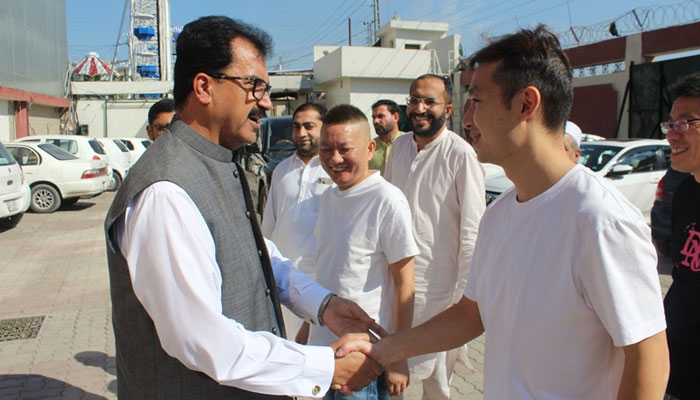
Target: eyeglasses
point(429, 102)
point(260, 87)
point(680, 125)
point(160, 128)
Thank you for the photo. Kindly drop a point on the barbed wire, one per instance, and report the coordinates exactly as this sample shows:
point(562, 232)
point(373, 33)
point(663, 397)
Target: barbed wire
point(637, 20)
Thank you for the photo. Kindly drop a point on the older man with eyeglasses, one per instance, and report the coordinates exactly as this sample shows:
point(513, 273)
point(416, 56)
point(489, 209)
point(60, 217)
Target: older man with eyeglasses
point(682, 302)
point(438, 172)
point(196, 289)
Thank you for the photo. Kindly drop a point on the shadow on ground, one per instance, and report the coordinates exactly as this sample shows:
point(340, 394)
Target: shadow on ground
point(33, 386)
point(101, 360)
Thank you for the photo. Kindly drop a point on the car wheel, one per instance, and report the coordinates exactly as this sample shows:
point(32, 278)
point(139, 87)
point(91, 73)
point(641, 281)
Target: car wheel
point(45, 199)
point(10, 222)
point(114, 182)
point(69, 202)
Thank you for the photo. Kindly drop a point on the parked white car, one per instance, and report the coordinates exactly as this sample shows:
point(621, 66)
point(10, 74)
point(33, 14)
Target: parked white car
point(120, 160)
point(14, 190)
point(57, 177)
point(634, 167)
point(136, 146)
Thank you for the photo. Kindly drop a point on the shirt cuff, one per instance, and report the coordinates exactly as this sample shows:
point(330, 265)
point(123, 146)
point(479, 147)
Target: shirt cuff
point(319, 368)
point(313, 296)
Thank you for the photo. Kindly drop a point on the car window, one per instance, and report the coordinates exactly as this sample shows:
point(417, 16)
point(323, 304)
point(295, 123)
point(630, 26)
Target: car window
point(68, 145)
point(642, 159)
point(56, 152)
point(96, 146)
point(280, 130)
point(128, 144)
point(596, 157)
point(146, 143)
point(121, 145)
point(24, 156)
point(5, 157)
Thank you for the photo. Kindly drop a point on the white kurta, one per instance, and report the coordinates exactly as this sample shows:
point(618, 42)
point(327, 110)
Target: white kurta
point(292, 208)
point(444, 185)
point(172, 263)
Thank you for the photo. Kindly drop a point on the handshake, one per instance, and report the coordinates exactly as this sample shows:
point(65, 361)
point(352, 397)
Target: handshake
point(359, 358)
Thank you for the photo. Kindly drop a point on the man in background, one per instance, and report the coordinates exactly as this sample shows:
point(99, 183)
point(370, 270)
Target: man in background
point(292, 204)
point(682, 302)
point(438, 172)
point(159, 116)
point(385, 118)
point(572, 141)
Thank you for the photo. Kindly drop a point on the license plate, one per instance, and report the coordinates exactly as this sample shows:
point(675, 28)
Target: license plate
point(12, 205)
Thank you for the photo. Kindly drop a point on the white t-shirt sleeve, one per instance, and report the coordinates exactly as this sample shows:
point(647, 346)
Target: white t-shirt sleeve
point(620, 283)
point(171, 258)
point(396, 232)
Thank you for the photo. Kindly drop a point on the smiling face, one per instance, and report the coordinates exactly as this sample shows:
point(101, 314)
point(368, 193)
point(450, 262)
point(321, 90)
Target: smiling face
point(306, 130)
point(488, 117)
point(233, 103)
point(345, 152)
point(685, 146)
point(428, 122)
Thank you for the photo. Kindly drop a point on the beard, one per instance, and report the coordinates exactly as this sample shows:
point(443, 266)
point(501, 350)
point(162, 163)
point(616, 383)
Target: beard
point(308, 148)
point(434, 127)
point(383, 130)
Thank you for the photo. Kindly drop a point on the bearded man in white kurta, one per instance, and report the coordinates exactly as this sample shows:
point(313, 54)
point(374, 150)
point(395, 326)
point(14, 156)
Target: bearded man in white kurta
point(444, 183)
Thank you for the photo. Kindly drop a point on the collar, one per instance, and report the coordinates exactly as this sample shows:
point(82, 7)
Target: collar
point(198, 142)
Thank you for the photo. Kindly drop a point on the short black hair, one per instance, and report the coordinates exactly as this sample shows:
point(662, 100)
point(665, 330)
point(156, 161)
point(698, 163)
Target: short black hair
point(204, 46)
point(688, 85)
point(318, 107)
point(532, 58)
point(344, 113)
point(165, 105)
point(445, 80)
point(390, 105)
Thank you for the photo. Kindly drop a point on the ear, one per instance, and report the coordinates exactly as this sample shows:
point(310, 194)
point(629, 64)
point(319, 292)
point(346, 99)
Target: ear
point(397, 117)
point(371, 146)
point(201, 88)
point(448, 109)
point(528, 102)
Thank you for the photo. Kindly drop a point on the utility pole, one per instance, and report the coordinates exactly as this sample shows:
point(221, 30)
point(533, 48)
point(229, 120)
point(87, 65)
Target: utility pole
point(376, 22)
point(349, 32)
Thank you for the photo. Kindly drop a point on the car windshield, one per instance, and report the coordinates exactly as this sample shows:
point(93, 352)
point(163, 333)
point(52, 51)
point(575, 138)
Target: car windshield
point(96, 146)
point(127, 143)
point(596, 157)
point(56, 152)
point(121, 145)
point(146, 143)
point(5, 157)
point(280, 130)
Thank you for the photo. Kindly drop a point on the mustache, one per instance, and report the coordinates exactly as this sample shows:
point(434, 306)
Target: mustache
point(256, 113)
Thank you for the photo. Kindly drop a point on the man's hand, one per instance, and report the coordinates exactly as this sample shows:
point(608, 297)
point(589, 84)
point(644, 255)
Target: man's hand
point(360, 343)
point(397, 377)
point(354, 371)
point(343, 316)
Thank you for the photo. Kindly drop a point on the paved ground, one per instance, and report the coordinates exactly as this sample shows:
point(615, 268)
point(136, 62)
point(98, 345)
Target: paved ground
point(55, 266)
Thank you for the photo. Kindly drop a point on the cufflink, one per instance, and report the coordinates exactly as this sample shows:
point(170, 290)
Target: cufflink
point(316, 390)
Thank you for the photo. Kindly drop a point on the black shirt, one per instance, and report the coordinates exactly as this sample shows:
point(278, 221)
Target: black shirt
point(682, 303)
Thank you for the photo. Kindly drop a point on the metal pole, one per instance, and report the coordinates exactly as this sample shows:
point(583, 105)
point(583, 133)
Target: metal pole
point(349, 32)
point(121, 29)
point(376, 22)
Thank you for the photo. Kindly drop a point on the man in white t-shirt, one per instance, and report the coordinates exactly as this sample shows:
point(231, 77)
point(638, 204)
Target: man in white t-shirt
point(444, 183)
point(365, 239)
point(292, 204)
point(563, 277)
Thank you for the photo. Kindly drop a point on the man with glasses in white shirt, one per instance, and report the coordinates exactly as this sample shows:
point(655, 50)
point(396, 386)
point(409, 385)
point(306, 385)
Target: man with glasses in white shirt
point(443, 182)
point(292, 204)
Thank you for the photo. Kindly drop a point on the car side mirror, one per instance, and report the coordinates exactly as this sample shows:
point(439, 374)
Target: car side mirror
point(620, 169)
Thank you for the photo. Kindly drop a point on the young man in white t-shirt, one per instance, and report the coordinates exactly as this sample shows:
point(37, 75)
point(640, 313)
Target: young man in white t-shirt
point(365, 239)
point(563, 279)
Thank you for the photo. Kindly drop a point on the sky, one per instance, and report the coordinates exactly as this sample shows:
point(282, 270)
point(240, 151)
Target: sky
point(296, 26)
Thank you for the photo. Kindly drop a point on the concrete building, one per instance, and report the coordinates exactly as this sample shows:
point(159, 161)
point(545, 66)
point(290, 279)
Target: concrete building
point(33, 68)
point(362, 75)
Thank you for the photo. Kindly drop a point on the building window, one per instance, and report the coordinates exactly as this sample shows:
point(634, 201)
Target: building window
point(410, 46)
